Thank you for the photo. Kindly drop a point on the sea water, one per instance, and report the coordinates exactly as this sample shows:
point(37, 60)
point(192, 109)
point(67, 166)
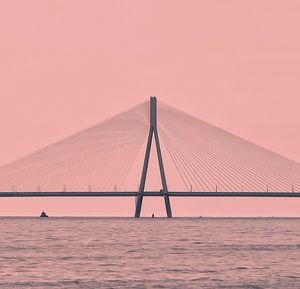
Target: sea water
point(150, 253)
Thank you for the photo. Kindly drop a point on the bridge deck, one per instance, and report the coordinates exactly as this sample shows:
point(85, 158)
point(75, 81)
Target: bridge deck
point(150, 194)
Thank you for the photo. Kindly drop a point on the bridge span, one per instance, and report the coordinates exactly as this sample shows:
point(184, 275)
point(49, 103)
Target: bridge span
point(152, 194)
point(209, 161)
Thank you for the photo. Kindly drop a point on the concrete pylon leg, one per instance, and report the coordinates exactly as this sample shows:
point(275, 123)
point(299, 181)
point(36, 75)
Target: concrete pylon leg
point(168, 206)
point(138, 206)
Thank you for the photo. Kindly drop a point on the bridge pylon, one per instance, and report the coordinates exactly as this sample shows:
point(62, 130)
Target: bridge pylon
point(153, 131)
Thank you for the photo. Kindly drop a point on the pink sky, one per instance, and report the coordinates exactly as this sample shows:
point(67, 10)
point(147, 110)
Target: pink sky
point(65, 65)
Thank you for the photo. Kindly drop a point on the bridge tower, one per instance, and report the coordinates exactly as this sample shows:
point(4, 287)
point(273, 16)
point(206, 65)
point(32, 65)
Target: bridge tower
point(153, 131)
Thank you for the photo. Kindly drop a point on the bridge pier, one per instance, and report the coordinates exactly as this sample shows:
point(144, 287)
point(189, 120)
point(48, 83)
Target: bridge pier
point(153, 131)
point(139, 203)
point(168, 206)
point(138, 206)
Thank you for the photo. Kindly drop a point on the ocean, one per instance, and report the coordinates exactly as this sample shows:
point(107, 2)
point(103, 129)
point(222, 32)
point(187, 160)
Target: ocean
point(149, 253)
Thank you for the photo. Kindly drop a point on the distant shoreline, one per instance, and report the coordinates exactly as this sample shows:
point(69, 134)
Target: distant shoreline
point(161, 218)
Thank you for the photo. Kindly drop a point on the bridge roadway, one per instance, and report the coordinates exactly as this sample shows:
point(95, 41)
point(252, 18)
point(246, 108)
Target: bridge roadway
point(150, 194)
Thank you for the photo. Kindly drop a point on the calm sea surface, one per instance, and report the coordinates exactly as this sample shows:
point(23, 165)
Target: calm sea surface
point(149, 253)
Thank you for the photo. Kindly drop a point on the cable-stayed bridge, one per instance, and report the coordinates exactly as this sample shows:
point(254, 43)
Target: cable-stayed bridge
point(112, 159)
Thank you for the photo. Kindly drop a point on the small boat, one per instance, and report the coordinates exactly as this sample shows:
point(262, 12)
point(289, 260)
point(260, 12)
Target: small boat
point(43, 215)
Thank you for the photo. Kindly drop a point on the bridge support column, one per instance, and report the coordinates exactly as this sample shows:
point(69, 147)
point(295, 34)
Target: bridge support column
point(153, 131)
point(168, 206)
point(138, 206)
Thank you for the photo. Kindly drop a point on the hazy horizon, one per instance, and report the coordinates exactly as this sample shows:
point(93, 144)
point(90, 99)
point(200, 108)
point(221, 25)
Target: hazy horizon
point(67, 65)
